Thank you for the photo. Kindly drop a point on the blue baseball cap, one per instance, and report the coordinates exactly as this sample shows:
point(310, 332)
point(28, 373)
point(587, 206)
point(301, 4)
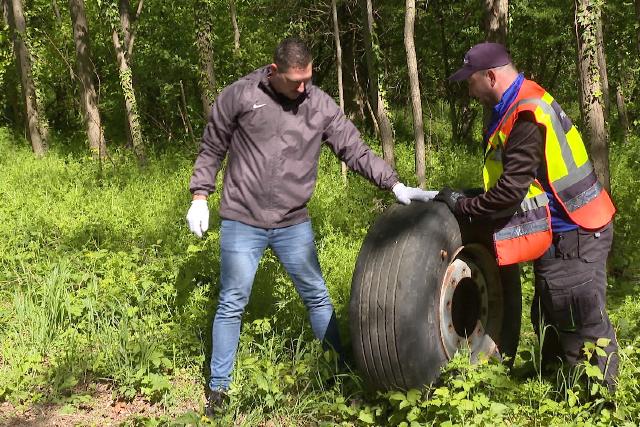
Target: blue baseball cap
point(482, 56)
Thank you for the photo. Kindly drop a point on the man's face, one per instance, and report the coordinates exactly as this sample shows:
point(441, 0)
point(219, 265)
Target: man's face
point(292, 82)
point(481, 87)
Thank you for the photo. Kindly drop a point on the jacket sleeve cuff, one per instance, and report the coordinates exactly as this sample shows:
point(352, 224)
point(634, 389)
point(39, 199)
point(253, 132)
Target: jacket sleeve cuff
point(393, 181)
point(200, 192)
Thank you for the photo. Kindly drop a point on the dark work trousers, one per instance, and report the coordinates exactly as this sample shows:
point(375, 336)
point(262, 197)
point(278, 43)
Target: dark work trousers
point(570, 296)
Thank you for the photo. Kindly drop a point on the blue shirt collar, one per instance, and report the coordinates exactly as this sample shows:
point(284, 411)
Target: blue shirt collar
point(501, 107)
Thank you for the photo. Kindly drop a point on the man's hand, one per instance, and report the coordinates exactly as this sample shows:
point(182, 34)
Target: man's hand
point(198, 217)
point(449, 197)
point(406, 194)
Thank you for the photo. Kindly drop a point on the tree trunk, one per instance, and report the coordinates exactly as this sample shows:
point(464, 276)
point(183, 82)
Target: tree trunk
point(414, 83)
point(353, 92)
point(23, 60)
point(130, 32)
point(130, 103)
point(125, 22)
point(461, 114)
point(187, 123)
point(234, 23)
point(602, 68)
point(622, 113)
point(11, 84)
point(56, 11)
point(10, 80)
point(85, 71)
point(637, 3)
point(496, 20)
point(496, 13)
point(207, 77)
point(586, 16)
point(336, 39)
point(376, 98)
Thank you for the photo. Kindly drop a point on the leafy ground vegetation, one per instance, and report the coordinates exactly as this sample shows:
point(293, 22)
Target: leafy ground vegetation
point(106, 302)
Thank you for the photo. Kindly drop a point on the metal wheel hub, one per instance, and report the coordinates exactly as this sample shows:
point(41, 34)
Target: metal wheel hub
point(471, 305)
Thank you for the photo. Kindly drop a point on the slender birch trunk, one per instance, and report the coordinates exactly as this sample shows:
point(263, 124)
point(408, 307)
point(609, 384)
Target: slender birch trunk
point(414, 83)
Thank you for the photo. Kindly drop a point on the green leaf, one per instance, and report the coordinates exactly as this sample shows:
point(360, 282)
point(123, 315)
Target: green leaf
point(593, 371)
point(397, 396)
point(366, 417)
point(192, 249)
point(413, 395)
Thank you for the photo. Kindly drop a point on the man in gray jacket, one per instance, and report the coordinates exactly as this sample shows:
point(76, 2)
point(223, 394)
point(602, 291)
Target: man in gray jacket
point(272, 124)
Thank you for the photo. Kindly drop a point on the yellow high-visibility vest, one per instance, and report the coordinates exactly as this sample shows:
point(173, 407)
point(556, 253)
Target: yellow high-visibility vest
point(524, 233)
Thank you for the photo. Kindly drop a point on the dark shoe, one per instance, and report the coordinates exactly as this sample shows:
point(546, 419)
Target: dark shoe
point(216, 401)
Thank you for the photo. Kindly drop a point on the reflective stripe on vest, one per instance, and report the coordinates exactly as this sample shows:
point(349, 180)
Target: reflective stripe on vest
point(580, 184)
point(524, 232)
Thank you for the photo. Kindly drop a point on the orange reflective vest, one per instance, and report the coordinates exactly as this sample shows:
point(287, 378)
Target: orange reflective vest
point(523, 233)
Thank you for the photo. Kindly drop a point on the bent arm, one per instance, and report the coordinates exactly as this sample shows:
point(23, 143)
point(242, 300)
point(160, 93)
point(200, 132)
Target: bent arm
point(521, 160)
point(345, 141)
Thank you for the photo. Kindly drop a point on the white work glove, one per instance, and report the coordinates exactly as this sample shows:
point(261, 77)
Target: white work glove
point(198, 217)
point(406, 194)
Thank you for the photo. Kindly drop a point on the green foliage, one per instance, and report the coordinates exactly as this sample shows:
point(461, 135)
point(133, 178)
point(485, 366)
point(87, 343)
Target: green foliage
point(101, 282)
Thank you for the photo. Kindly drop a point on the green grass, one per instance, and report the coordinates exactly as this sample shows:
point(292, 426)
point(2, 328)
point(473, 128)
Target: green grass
point(101, 282)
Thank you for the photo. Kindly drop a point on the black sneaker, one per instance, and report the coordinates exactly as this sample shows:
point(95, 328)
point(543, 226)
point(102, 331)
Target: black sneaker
point(216, 400)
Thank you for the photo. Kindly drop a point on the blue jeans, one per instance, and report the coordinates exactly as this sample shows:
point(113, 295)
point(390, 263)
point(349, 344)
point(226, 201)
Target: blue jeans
point(241, 247)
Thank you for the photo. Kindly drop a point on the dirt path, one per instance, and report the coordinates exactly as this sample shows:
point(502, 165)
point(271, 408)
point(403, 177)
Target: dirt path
point(96, 408)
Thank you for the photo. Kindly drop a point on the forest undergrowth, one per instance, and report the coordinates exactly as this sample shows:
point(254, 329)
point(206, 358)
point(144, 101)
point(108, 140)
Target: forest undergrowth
point(103, 287)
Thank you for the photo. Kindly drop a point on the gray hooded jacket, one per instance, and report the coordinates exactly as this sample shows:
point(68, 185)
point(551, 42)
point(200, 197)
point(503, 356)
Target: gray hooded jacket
point(273, 145)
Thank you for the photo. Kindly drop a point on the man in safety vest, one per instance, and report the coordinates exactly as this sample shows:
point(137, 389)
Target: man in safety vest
point(544, 202)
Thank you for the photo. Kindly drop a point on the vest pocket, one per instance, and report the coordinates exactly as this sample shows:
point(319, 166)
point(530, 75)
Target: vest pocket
point(574, 301)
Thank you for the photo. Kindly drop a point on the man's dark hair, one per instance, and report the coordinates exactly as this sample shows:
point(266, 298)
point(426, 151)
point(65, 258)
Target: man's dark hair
point(291, 52)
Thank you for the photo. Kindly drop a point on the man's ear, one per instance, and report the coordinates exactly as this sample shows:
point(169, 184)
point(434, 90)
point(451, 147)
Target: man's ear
point(492, 77)
point(273, 68)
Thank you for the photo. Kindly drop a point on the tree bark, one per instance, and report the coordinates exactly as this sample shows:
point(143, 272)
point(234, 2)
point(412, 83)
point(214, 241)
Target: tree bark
point(85, 73)
point(496, 13)
point(336, 39)
point(132, 29)
point(586, 16)
point(414, 84)
point(376, 98)
point(130, 103)
point(637, 4)
point(125, 22)
point(496, 20)
point(602, 68)
point(207, 77)
point(234, 23)
point(56, 11)
point(23, 60)
point(622, 113)
point(10, 80)
point(354, 95)
point(11, 84)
